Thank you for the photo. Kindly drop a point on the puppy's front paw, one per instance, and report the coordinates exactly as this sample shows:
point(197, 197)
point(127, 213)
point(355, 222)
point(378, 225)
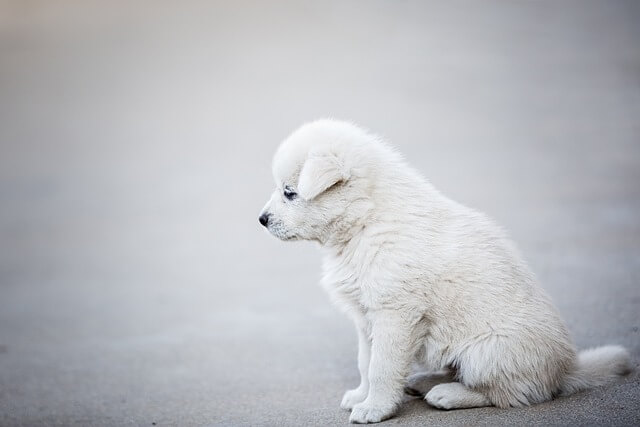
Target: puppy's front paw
point(364, 413)
point(353, 397)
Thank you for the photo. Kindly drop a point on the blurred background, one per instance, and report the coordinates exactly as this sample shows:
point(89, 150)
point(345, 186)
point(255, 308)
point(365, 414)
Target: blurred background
point(136, 285)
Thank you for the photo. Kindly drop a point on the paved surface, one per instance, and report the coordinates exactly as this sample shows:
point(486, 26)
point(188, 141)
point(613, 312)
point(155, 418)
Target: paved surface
point(136, 286)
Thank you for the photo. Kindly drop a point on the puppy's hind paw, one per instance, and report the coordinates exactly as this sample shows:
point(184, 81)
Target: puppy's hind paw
point(419, 384)
point(455, 396)
point(352, 398)
point(440, 398)
point(363, 413)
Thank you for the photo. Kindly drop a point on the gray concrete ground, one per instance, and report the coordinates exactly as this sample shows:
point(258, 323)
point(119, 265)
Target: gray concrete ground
point(136, 286)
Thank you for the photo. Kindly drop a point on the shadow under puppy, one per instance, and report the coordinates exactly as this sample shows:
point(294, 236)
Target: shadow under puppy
point(425, 279)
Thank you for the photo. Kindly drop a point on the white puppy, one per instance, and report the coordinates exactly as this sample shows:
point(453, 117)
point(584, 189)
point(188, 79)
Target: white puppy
point(425, 280)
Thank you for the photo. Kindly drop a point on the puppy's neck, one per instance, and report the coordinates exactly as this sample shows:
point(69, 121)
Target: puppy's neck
point(339, 233)
point(340, 239)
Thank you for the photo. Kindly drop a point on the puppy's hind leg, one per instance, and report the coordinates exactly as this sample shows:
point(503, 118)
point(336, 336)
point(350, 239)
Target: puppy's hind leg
point(456, 396)
point(419, 384)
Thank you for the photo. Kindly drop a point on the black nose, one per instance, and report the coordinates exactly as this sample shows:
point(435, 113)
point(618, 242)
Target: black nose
point(264, 219)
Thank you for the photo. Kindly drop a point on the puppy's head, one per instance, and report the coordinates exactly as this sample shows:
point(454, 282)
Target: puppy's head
point(317, 193)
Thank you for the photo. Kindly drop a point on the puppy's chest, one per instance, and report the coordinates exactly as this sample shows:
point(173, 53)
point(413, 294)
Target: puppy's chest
point(347, 282)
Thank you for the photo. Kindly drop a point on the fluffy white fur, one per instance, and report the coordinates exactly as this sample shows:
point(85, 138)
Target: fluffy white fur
point(425, 279)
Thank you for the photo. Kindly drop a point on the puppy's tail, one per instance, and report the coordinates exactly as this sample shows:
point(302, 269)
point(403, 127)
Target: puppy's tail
point(596, 367)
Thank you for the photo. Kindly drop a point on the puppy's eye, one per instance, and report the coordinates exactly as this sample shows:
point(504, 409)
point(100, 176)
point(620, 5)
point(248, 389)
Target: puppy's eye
point(289, 193)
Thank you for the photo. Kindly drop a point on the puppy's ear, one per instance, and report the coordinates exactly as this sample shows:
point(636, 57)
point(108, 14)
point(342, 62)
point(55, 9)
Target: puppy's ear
point(319, 172)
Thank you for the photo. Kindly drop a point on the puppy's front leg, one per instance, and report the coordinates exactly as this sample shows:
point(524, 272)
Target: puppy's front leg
point(391, 354)
point(357, 395)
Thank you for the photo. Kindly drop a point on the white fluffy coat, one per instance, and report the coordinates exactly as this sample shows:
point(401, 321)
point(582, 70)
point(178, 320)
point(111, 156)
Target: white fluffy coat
point(425, 279)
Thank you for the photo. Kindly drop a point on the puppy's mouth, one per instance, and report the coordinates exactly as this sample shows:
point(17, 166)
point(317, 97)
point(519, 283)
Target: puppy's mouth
point(277, 231)
point(285, 237)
